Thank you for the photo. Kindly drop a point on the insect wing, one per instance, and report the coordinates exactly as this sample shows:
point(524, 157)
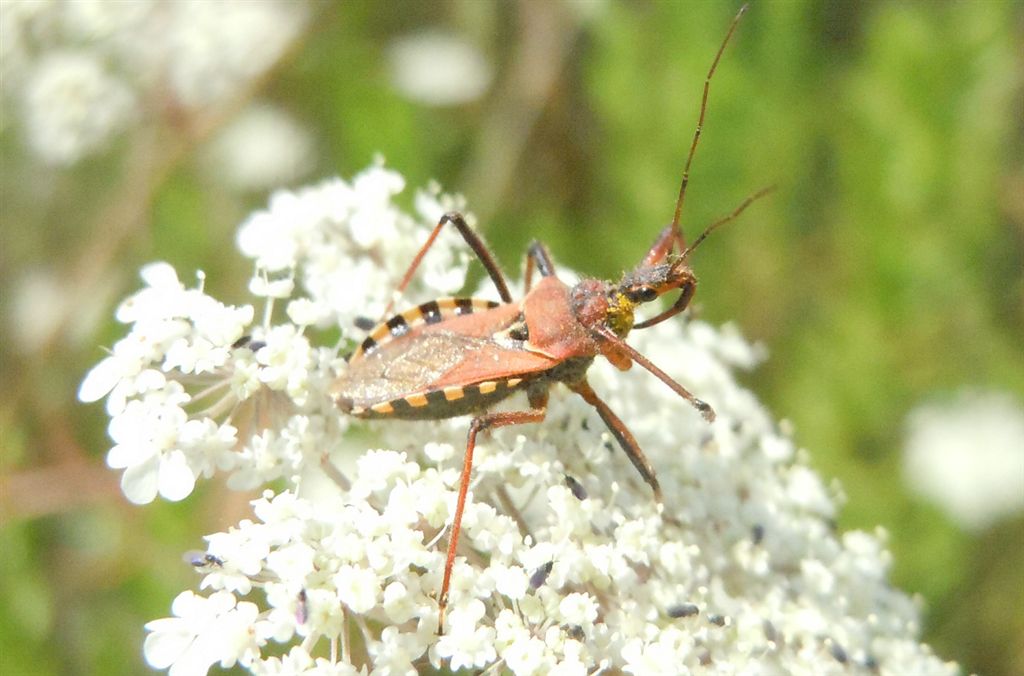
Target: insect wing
point(494, 362)
point(434, 359)
point(401, 367)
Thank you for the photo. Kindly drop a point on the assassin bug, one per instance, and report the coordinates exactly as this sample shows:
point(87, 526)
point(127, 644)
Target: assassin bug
point(458, 356)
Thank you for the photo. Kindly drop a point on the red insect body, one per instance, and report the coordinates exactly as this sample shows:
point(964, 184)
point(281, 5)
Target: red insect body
point(452, 357)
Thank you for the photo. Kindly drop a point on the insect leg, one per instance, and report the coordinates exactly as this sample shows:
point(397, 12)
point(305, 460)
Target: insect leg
point(537, 256)
point(539, 404)
point(623, 347)
point(669, 240)
point(685, 296)
point(475, 243)
point(621, 434)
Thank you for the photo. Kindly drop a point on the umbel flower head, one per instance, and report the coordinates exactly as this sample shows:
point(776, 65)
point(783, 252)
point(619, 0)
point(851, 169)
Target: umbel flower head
point(567, 565)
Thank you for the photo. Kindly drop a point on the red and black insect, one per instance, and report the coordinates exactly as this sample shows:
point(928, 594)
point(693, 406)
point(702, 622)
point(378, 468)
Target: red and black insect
point(459, 356)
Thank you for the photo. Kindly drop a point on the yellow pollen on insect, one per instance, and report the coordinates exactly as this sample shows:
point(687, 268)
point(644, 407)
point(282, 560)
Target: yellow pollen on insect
point(384, 407)
point(453, 393)
point(416, 400)
point(487, 387)
point(619, 315)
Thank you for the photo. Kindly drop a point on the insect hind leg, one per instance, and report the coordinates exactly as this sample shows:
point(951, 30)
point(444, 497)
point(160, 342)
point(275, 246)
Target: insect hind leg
point(537, 412)
point(622, 435)
point(537, 256)
point(475, 242)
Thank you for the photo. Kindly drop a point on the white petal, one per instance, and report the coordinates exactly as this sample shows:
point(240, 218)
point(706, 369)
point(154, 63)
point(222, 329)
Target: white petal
point(139, 482)
point(176, 479)
point(197, 659)
point(160, 274)
point(100, 380)
point(163, 648)
point(122, 456)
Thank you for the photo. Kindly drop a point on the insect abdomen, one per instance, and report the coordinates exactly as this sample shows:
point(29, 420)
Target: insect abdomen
point(433, 312)
point(448, 402)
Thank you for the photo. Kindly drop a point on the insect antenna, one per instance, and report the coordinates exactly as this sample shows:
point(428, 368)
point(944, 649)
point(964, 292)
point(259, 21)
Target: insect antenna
point(680, 239)
point(679, 263)
point(750, 199)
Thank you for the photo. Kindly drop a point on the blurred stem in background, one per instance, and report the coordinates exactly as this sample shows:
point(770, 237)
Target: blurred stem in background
point(885, 274)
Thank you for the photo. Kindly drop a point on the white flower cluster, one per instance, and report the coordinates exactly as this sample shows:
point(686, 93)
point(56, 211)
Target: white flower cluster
point(567, 565)
point(78, 73)
point(196, 387)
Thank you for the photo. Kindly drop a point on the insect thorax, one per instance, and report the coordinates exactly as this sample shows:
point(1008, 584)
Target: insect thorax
point(596, 303)
point(569, 371)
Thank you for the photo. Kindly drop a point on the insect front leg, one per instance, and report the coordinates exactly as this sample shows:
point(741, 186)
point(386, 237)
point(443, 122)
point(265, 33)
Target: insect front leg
point(475, 243)
point(669, 241)
point(616, 345)
point(680, 304)
point(621, 434)
point(539, 405)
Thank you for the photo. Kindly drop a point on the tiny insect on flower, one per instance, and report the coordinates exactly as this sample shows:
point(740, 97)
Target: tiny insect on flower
point(459, 356)
point(540, 576)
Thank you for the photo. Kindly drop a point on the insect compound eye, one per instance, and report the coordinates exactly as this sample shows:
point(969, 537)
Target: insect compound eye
point(643, 294)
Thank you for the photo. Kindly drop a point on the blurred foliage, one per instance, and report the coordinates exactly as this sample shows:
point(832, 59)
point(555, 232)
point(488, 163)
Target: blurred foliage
point(885, 270)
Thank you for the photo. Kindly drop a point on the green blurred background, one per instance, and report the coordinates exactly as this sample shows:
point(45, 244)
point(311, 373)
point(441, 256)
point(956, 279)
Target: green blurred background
point(885, 270)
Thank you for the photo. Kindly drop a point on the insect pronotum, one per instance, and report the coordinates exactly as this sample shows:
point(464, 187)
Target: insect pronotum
point(459, 356)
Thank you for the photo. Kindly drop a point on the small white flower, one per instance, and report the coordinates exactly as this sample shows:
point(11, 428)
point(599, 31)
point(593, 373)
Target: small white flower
point(73, 107)
point(145, 437)
point(293, 561)
point(263, 148)
point(578, 609)
point(438, 453)
point(266, 237)
point(657, 659)
point(286, 358)
point(241, 552)
point(467, 643)
point(358, 588)
point(297, 661)
point(204, 632)
point(306, 312)
point(511, 581)
point(527, 657)
point(968, 456)
point(438, 69)
point(39, 303)
point(264, 287)
point(398, 603)
point(395, 652)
